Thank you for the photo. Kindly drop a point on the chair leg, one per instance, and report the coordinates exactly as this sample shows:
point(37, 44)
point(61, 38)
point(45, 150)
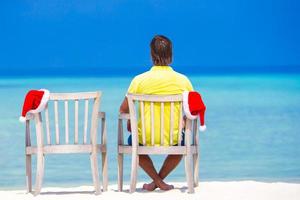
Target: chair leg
point(95, 173)
point(120, 172)
point(196, 169)
point(189, 174)
point(39, 173)
point(134, 168)
point(104, 171)
point(28, 173)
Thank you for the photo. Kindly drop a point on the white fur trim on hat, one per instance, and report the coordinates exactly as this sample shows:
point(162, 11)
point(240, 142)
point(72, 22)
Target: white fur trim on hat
point(186, 106)
point(22, 119)
point(43, 103)
point(202, 128)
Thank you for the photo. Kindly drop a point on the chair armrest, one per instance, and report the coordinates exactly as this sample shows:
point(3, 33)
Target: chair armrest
point(124, 116)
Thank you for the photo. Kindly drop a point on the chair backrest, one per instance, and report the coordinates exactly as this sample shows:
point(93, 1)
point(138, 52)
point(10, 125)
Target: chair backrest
point(63, 122)
point(137, 116)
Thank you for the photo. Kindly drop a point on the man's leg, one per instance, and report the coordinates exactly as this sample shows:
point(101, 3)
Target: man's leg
point(170, 163)
point(147, 165)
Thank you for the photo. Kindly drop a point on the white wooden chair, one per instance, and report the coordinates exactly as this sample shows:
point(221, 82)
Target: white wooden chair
point(47, 146)
point(189, 150)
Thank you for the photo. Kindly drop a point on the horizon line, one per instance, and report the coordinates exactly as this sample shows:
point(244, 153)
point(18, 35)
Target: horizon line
point(122, 72)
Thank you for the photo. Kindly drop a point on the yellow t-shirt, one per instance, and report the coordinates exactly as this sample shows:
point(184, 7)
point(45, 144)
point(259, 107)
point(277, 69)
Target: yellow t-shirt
point(160, 80)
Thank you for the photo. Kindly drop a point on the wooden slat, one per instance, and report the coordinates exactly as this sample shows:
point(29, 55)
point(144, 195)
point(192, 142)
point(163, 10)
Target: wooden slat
point(195, 132)
point(188, 157)
point(196, 155)
point(188, 132)
point(124, 116)
point(120, 156)
point(172, 150)
point(86, 110)
point(94, 119)
point(103, 131)
point(171, 123)
point(120, 132)
point(76, 123)
point(47, 125)
point(133, 121)
point(157, 150)
point(93, 155)
point(143, 122)
point(73, 96)
point(156, 98)
point(152, 122)
point(28, 158)
point(56, 122)
point(162, 123)
point(27, 139)
point(66, 122)
point(180, 124)
point(104, 155)
point(39, 151)
point(69, 148)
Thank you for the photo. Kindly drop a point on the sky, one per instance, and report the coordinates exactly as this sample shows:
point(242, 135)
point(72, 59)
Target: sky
point(63, 37)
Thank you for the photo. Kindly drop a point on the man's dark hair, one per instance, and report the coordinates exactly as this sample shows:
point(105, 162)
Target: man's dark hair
point(161, 50)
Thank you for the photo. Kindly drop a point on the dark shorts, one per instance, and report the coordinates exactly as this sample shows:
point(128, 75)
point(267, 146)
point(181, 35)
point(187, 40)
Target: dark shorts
point(129, 140)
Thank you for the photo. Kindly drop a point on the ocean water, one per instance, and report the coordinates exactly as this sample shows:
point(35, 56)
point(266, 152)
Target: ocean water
point(253, 130)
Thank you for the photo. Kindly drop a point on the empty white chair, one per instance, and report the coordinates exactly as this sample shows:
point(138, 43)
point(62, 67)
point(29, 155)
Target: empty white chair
point(64, 144)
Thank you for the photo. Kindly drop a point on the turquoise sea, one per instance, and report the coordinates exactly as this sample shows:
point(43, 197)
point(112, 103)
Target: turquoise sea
point(253, 129)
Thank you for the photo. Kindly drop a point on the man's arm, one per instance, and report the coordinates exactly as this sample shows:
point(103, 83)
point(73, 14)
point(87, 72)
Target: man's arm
point(124, 106)
point(125, 109)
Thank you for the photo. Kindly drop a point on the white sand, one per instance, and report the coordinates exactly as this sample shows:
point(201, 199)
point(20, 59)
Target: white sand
point(241, 190)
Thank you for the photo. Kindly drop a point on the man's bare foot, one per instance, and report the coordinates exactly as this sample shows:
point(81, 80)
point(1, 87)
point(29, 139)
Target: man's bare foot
point(150, 187)
point(163, 186)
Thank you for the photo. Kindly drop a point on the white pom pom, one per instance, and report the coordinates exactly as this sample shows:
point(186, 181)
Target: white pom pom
point(202, 128)
point(22, 119)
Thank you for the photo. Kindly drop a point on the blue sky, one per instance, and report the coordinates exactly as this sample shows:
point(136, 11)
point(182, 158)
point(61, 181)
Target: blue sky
point(59, 37)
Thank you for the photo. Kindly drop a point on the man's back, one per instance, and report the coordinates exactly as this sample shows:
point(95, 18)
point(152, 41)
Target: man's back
point(160, 80)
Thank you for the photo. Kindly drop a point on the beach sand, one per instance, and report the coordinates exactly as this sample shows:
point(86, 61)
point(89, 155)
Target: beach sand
point(239, 190)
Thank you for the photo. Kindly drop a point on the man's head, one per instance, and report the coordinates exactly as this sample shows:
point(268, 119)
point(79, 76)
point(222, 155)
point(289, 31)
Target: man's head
point(161, 50)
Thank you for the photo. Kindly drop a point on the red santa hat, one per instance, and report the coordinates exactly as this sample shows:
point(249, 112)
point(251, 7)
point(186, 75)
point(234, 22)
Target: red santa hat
point(34, 102)
point(193, 107)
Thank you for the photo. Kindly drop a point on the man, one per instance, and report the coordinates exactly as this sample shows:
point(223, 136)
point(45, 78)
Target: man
point(160, 80)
